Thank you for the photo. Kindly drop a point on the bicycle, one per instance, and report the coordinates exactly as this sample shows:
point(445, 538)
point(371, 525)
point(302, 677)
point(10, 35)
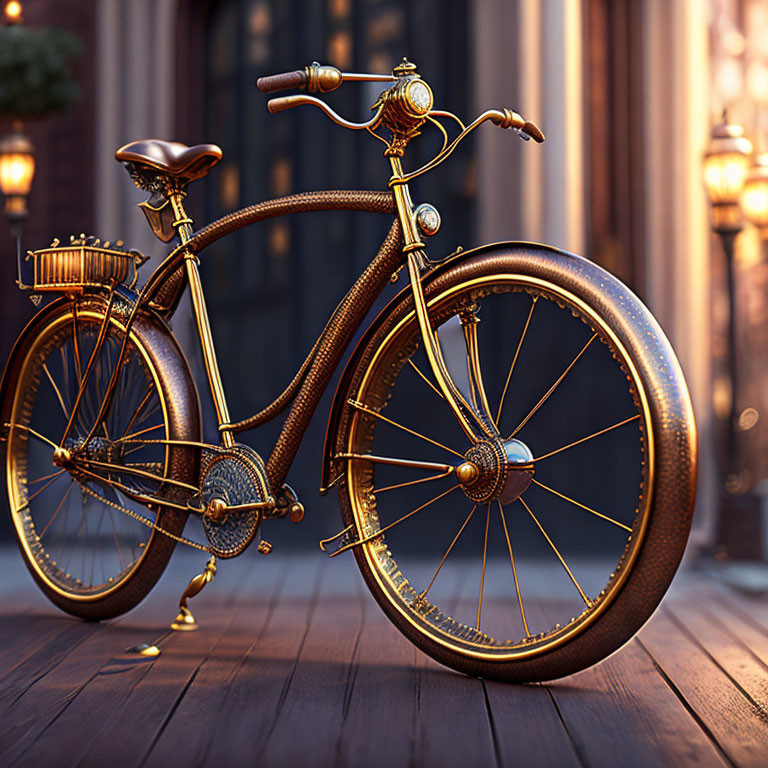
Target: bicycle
point(105, 460)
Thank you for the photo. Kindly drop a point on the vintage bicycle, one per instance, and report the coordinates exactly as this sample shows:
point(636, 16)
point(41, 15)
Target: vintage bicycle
point(575, 469)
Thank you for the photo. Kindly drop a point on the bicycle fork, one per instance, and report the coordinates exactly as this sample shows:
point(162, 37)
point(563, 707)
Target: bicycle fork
point(475, 422)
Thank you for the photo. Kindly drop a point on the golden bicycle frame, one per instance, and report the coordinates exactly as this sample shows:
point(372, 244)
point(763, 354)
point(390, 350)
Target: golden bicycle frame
point(403, 245)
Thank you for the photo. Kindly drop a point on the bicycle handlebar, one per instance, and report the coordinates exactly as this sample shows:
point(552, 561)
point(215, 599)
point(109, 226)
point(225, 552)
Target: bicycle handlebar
point(316, 78)
point(282, 103)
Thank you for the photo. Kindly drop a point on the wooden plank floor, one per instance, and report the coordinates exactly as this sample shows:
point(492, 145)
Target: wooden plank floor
point(294, 665)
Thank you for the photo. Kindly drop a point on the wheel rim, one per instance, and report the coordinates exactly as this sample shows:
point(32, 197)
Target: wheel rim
point(71, 524)
point(547, 595)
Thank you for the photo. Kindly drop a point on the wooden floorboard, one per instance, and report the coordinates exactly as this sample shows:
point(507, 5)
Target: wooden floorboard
point(294, 664)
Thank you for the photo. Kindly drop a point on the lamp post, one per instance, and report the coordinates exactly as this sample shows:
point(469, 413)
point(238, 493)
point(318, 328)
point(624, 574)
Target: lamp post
point(17, 160)
point(17, 168)
point(726, 164)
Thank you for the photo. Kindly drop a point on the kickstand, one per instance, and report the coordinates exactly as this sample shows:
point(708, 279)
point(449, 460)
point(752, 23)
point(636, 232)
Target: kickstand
point(185, 621)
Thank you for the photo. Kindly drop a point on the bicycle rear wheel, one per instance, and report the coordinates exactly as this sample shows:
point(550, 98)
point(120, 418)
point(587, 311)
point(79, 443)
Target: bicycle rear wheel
point(548, 560)
point(89, 545)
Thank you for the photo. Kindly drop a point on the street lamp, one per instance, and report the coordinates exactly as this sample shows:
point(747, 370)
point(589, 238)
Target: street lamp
point(726, 168)
point(17, 168)
point(726, 164)
point(754, 199)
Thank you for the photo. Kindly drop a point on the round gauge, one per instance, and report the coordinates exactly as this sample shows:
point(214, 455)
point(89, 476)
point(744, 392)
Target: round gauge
point(419, 97)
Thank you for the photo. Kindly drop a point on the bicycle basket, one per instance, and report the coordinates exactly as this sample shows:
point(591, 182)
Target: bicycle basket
point(80, 265)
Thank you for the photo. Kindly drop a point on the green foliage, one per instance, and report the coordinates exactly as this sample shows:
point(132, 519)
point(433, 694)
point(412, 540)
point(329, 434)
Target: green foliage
point(35, 75)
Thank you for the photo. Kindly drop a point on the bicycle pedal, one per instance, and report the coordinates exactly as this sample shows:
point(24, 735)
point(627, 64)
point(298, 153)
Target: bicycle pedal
point(264, 547)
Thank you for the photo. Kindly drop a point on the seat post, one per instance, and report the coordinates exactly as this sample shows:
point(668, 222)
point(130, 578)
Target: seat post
point(181, 222)
point(183, 225)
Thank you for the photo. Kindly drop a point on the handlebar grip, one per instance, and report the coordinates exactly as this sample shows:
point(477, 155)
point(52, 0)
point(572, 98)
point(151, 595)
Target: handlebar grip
point(506, 118)
point(533, 130)
point(296, 79)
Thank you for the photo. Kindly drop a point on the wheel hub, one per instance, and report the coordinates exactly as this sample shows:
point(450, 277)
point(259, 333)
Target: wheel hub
point(496, 470)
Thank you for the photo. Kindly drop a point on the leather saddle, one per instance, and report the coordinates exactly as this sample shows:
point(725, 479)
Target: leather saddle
point(153, 163)
point(153, 156)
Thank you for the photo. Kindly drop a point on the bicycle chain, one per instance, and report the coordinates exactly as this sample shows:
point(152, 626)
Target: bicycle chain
point(145, 521)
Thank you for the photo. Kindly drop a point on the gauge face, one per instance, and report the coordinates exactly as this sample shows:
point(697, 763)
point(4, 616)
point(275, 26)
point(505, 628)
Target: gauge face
point(419, 97)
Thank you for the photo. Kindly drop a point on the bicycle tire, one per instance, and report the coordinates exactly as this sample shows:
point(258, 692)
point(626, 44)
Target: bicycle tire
point(580, 294)
point(75, 565)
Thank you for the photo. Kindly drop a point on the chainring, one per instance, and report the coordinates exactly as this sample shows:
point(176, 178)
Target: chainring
point(237, 476)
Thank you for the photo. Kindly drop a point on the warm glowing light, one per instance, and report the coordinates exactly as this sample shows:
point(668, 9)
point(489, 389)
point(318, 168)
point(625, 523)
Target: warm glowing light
point(754, 199)
point(17, 168)
point(12, 12)
point(16, 172)
point(726, 163)
point(724, 176)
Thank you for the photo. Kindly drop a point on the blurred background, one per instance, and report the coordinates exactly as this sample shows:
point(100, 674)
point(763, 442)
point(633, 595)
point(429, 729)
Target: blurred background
point(627, 92)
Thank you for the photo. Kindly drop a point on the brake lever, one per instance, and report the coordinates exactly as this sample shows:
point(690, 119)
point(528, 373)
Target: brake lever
point(281, 103)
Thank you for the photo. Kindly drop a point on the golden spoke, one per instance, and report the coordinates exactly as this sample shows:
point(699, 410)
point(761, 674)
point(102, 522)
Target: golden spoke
point(45, 477)
point(588, 437)
point(91, 361)
point(58, 509)
point(485, 555)
point(370, 411)
point(583, 506)
point(140, 432)
point(56, 389)
point(34, 433)
point(42, 488)
point(413, 482)
point(424, 378)
point(392, 525)
point(150, 390)
point(448, 551)
point(514, 569)
point(559, 556)
point(552, 388)
point(514, 360)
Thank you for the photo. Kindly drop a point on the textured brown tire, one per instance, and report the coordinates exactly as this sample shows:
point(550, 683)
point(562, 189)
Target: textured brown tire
point(658, 530)
point(57, 551)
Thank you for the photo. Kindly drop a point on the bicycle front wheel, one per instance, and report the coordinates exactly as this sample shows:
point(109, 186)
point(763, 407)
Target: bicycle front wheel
point(89, 544)
point(538, 564)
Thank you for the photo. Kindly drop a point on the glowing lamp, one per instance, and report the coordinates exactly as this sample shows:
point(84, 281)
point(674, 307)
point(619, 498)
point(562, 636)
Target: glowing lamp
point(726, 164)
point(12, 12)
point(17, 168)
